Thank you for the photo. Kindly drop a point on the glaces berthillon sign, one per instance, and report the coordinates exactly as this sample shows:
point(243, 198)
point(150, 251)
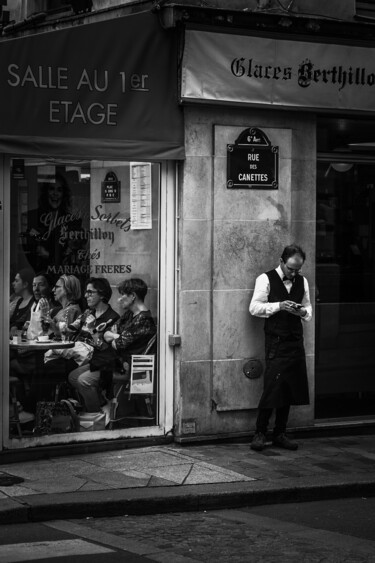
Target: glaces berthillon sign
point(252, 162)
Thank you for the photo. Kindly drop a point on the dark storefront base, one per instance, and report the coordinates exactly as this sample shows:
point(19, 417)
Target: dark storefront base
point(322, 429)
point(47, 452)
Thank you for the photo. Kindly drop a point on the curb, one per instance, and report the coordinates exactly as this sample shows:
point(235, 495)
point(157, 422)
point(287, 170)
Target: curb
point(118, 502)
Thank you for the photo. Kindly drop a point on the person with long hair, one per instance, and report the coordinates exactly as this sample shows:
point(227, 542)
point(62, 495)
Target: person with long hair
point(44, 231)
point(24, 298)
point(54, 234)
point(67, 292)
point(23, 365)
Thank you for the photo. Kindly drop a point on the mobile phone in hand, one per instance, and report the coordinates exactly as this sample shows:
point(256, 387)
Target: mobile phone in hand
point(297, 305)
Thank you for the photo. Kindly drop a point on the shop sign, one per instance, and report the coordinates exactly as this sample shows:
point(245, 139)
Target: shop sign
point(252, 162)
point(104, 89)
point(243, 69)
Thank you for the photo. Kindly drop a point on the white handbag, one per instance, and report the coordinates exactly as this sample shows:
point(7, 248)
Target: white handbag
point(35, 326)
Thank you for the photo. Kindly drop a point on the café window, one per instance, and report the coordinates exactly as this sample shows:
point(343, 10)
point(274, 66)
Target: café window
point(84, 299)
point(345, 269)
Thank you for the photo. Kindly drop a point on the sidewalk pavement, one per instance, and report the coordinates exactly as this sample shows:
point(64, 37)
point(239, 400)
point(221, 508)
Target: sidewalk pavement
point(173, 478)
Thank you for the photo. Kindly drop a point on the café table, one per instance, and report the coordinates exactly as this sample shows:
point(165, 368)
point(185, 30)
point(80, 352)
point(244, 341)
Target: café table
point(39, 348)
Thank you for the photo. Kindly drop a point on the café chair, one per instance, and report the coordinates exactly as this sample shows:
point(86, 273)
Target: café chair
point(135, 386)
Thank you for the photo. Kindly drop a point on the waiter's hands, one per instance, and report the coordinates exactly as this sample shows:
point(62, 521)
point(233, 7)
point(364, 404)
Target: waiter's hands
point(293, 308)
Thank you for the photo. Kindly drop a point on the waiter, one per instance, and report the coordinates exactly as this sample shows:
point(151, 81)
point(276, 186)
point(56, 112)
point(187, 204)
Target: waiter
point(282, 297)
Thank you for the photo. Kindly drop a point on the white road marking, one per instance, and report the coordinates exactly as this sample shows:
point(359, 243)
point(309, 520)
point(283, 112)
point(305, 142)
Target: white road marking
point(29, 551)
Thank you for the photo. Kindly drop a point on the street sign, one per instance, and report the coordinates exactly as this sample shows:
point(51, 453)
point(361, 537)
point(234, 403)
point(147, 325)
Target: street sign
point(252, 162)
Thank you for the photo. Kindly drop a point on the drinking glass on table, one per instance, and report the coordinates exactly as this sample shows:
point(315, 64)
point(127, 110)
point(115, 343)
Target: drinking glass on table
point(45, 327)
point(63, 329)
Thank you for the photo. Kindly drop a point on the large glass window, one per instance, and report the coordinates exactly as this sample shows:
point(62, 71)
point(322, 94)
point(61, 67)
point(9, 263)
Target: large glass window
point(84, 268)
point(345, 270)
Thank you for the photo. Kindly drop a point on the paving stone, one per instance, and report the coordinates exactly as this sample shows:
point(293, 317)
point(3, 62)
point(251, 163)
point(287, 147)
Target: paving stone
point(201, 475)
point(176, 473)
point(60, 485)
point(117, 479)
point(158, 482)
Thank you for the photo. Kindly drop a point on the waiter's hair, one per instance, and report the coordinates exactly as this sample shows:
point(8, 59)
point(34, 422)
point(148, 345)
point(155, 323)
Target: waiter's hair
point(292, 250)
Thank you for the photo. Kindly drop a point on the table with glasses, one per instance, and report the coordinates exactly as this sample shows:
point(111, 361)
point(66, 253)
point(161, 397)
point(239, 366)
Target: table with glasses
point(39, 348)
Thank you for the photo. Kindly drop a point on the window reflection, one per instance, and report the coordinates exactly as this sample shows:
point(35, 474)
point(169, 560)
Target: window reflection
point(73, 223)
point(345, 284)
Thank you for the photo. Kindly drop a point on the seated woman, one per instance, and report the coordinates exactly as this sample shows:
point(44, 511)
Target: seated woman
point(67, 293)
point(23, 364)
point(89, 328)
point(136, 326)
point(24, 299)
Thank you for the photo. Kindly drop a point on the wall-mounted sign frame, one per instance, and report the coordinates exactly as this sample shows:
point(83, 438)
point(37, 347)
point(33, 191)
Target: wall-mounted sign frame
point(252, 162)
point(111, 189)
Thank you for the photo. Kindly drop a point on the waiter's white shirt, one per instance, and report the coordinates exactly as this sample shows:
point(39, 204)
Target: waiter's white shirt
point(259, 305)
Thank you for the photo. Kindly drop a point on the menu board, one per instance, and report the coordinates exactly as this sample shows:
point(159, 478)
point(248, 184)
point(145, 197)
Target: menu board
point(140, 195)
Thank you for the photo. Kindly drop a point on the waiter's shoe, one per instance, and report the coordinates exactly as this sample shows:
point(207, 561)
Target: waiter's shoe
point(259, 441)
point(283, 442)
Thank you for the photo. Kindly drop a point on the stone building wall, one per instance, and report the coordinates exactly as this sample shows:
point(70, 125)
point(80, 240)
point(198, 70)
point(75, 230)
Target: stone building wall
point(341, 9)
point(227, 238)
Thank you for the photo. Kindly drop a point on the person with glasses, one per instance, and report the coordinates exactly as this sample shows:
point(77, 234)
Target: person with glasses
point(64, 309)
point(67, 293)
point(90, 327)
point(281, 296)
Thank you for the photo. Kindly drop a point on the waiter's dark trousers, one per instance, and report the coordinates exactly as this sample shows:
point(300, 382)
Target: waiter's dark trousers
point(281, 420)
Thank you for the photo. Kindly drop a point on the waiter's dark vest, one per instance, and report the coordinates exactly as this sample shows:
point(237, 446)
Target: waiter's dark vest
point(283, 324)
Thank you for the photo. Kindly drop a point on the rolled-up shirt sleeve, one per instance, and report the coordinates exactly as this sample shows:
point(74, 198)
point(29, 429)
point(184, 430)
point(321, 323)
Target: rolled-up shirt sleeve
point(306, 302)
point(259, 305)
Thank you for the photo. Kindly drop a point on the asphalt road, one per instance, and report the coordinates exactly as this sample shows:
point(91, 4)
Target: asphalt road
point(333, 531)
point(352, 517)
point(41, 542)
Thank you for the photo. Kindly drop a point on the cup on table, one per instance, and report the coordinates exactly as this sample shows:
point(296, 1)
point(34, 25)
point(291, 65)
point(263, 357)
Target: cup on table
point(43, 338)
point(17, 337)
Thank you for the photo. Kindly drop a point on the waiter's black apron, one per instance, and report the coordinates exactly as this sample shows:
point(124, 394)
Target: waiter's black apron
point(285, 378)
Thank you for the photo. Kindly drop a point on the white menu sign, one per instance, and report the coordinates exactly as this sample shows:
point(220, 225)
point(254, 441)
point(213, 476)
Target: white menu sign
point(140, 195)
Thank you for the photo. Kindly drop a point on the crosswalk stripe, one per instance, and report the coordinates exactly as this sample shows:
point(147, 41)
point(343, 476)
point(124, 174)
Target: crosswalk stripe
point(29, 551)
